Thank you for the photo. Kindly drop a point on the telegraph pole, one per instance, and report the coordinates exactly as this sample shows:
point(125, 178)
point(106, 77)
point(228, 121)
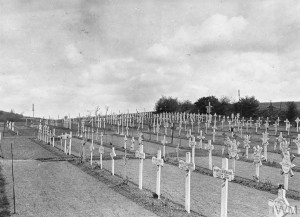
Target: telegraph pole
point(33, 110)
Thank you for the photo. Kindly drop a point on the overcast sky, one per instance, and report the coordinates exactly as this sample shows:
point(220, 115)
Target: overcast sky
point(70, 56)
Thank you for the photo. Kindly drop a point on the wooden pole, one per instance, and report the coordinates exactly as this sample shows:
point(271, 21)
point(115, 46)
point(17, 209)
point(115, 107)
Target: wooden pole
point(13, 178)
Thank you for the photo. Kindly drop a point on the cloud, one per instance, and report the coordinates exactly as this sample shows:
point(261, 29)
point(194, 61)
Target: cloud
point(73, 54)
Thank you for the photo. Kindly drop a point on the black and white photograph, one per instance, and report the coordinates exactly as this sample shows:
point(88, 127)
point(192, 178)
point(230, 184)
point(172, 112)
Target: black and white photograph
point(146, 108)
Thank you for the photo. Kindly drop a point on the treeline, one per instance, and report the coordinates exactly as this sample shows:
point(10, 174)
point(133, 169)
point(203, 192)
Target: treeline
point(10, 116)
point(247, 107)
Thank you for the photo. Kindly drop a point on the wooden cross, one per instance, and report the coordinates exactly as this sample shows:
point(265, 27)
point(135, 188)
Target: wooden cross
point(53, 137)
point(257, 157)
point(286, 167)
point(234, 152)
point(256, 126)
point(91, 150)
point(188, 166)
point(192, 143)
point(266, 126)
point(200, 137)
point(209, 147)
point(297, 122)
point(247, 144)
point(112, 155)
point(214, 132)
point(157, 131)
point(286, 124)
point(101, 152)
point(208, 108)
point(70, 143)
point(279, 139)
point(141, 155)
point(125, 139)
point(159, 162)
point(265, 143)
point(132, 144)
point(226, 175)
point(101, 138)
point(127, 128)
point(297, 141)
point(179, 128)
point(164, 142)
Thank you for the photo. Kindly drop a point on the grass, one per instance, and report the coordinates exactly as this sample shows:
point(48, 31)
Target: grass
point(4, 204)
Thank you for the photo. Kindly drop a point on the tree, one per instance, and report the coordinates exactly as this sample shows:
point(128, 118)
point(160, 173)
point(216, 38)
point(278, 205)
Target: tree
point(247, 107)
point(186, 106)
point(225, 107)
point(291, 112)
point(165, 104)
point(201, 103)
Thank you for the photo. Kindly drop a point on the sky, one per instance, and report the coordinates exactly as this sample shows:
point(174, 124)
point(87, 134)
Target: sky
point(69, 57)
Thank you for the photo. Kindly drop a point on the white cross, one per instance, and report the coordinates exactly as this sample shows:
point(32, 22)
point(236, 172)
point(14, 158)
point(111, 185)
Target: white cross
point(112, 155)
point(132, 144)
point(297, 122)
point(226, 175)
point(247, 144)
point(164, 142)
point(257, 157)
point(101, 152)
point(188, 166)
point(141, 155)
point(159, 162)
point(192, 143)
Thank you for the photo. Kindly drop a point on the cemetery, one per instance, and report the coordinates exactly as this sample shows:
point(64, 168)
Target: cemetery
point(149, 108)
point(171, 167)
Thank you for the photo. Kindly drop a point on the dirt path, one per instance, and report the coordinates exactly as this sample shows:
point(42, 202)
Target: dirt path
point(58, 188)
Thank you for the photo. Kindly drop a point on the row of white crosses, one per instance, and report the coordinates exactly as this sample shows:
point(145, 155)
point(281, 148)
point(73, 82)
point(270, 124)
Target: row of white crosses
point(10, 125)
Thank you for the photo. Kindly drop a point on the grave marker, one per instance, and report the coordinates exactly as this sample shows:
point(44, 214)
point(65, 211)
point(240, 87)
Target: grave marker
point(132, 144)
point(91, 150)
point(188, 166)
point(112, 155)
point(280, 206)
point(226, 175)
point(164, 142)
point(101, 152)
point(209, 147)
point(192, 143)
point(297, 122)
point(286, 167)
point(141, 155)
point(297, 141)
point(265, 143)
point(233, 152)
point(247, 144)
point(159, 162)
point(200, 137)
point(257, 157)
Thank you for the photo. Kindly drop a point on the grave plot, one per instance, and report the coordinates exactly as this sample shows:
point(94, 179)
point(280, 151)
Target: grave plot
point(247, 170)
point(205, 190)
point(242, 168)
point(76, 148)
point(149, 147)
point(276, 157)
